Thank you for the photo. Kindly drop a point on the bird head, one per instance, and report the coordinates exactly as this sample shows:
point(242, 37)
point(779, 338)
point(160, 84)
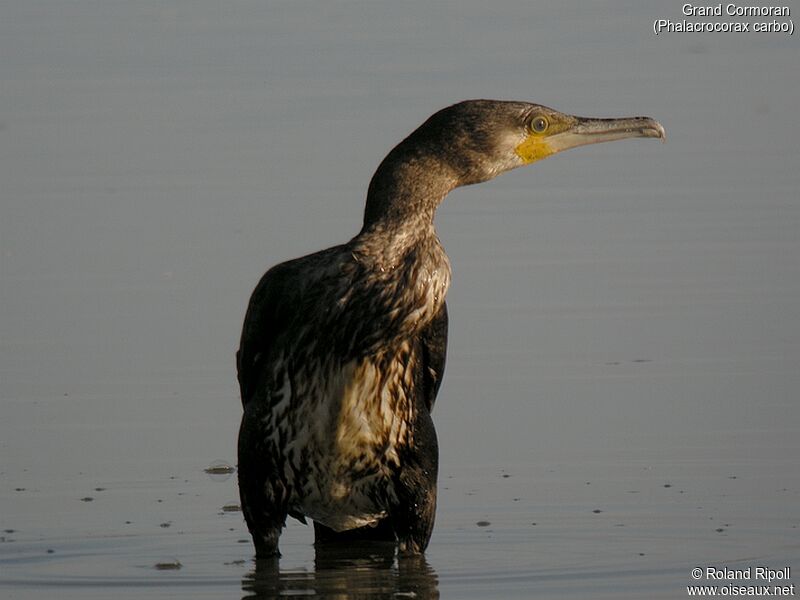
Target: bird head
point(480, 139)
point(477, 140)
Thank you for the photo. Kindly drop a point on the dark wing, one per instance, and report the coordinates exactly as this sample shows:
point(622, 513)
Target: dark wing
point(262, 323)
point(276, 307)
point(433, 341)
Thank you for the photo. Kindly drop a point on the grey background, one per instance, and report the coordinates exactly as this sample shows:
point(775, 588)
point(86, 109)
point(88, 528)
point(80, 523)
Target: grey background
point(624, 315)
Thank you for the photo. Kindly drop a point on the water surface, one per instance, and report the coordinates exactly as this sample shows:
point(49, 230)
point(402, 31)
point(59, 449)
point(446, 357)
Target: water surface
point(621, 397)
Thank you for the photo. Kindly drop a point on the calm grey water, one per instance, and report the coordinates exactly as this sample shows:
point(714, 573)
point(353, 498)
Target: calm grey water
point(621, 399)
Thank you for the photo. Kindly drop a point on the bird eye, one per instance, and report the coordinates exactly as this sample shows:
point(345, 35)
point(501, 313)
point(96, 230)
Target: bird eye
point(539, 124)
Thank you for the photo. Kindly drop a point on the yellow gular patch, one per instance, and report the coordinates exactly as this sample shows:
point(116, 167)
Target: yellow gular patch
point(537, 145)
point(533, 148)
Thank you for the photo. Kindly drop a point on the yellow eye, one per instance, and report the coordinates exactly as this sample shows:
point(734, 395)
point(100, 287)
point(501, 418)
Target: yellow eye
point(538, 124)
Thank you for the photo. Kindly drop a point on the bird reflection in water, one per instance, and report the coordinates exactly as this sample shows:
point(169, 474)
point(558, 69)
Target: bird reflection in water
point(362, 570)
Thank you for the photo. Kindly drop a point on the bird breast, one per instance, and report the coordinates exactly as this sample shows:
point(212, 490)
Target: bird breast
point(400, 289)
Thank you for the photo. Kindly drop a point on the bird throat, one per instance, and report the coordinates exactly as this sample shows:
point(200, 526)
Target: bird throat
point(533, 148)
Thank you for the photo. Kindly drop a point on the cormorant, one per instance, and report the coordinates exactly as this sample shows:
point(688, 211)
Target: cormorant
point(342, 351)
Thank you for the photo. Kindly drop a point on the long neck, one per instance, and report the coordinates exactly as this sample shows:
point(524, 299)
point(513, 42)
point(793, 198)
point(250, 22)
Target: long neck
point(400, 267)
point(406, 189)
